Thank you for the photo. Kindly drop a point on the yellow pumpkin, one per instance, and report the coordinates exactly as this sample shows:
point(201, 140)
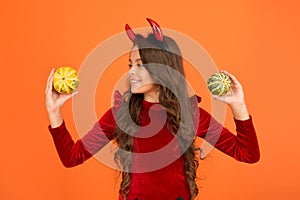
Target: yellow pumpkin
point(219, 83)
point(65, 80)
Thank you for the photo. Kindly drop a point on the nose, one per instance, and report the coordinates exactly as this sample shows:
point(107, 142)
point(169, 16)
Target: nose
point(132, 70)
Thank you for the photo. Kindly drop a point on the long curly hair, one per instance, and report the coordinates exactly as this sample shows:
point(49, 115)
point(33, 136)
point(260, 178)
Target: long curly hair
point(164, 62)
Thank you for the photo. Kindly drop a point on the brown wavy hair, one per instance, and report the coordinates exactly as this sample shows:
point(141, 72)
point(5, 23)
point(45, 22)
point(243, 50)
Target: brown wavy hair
point(164, 62)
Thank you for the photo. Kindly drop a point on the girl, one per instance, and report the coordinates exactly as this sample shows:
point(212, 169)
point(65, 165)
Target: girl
point(154, 124)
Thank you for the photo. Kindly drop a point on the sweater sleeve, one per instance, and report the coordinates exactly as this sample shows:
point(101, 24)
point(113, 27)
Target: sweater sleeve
point(73, 153)
point(243, 146)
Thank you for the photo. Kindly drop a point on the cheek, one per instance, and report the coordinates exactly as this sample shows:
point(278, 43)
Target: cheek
point(145, 75)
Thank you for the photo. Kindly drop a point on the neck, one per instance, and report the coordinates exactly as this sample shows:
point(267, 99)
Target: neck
point(151, 96)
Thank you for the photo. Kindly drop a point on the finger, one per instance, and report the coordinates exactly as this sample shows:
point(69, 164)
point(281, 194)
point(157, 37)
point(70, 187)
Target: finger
point(49, 86)
point(49, 77)
point(232, 77)
point(49, 81)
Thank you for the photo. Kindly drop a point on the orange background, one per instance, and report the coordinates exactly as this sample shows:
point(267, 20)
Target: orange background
point(258, 41)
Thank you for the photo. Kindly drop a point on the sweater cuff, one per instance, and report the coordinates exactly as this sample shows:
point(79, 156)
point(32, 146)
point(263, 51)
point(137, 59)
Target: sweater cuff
point(244, 124)
point(58, 129)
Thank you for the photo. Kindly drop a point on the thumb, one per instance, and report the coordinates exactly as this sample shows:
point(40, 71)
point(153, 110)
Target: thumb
point(73, 94)
point(70, 96)
point(226, 99)
point(219, 98)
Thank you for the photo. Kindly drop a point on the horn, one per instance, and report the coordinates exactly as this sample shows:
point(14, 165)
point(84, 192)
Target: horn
point(130, 33)
point(156, 29)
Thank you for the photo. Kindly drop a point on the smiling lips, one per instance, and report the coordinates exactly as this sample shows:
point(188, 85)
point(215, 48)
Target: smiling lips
point(134, 82)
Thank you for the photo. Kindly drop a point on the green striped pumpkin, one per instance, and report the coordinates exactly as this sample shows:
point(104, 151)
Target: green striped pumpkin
point(219, 83)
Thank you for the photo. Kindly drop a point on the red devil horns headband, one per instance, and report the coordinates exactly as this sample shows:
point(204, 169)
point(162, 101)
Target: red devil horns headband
point(155, 28)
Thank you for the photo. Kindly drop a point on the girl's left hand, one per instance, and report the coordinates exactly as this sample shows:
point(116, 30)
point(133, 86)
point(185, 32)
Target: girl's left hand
point(235, 95)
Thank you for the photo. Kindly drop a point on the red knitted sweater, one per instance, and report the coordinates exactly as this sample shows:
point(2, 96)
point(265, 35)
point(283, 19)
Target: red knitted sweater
point(157, 167)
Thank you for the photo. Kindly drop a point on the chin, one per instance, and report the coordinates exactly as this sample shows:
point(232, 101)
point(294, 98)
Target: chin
point(136, 91)
point(142, 89)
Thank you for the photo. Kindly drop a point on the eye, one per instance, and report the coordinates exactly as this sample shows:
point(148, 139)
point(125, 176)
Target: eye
point(140, 65)
point(129, 65)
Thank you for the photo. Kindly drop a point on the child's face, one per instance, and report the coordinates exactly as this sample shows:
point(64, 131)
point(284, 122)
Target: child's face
point(139, 77)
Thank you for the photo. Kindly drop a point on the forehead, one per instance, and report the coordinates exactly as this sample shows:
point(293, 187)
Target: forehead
point(134, 55)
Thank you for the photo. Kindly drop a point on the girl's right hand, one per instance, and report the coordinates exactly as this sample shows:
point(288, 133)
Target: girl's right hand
point(55, 100)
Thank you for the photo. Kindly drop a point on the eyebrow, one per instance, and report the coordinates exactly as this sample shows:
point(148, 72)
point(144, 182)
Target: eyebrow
point(136, 60)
